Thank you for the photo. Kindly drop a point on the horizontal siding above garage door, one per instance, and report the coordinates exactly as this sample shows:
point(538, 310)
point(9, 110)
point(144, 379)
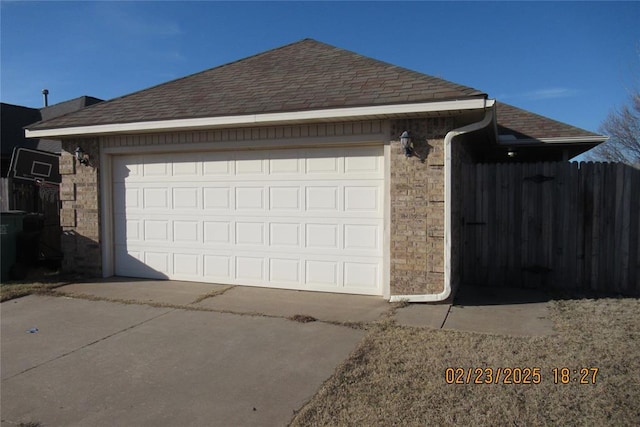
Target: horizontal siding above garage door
point(310, 219)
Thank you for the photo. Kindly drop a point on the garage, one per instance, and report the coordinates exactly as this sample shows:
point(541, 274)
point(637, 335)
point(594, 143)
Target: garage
point(305, 218)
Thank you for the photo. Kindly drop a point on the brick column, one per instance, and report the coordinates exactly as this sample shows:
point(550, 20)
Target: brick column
point(417, 207)
point(80, 211)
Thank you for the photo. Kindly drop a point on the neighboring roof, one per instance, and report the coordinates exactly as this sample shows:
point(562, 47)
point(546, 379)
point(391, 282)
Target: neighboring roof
point(66, 107)
point(14, 118)
point(521, 125)
point(302, 76)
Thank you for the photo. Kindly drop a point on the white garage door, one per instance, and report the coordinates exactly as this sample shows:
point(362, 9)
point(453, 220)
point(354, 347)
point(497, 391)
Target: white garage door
point(308, 219)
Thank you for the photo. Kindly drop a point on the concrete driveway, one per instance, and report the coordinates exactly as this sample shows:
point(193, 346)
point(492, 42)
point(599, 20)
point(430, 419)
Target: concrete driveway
point(144, 352)
point(178, 359)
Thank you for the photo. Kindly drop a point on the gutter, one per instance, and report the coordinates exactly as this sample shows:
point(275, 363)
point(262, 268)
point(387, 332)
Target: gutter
point(332, 114)
point(488, 118)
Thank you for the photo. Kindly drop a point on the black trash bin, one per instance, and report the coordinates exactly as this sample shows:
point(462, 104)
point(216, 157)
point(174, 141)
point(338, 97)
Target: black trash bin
point(10, 227)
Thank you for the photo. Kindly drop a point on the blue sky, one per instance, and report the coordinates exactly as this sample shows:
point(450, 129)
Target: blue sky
point(571, 61)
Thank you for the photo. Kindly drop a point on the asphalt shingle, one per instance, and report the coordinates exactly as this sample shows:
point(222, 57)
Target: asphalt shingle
point(524, 124)
point(305, 75)
point(300, 76)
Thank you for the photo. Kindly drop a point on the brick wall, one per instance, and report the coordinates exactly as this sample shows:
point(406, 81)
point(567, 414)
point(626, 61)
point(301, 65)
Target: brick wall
point(417, 207)
point(80, 210)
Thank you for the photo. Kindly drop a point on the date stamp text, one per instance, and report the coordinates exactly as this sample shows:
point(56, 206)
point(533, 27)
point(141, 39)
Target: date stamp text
point(513, 375)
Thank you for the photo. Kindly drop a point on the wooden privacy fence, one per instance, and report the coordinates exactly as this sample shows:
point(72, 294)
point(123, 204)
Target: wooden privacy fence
point(551, 225)
point(4, 194)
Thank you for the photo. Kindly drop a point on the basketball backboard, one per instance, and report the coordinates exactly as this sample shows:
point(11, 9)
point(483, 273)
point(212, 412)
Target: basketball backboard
point(34, 165)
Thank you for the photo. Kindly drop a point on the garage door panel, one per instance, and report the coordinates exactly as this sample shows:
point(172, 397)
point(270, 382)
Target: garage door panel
point(308, 219)
point(126, 168)
point(249, 199)
point(322, 199)
point(322, 273)
point(158, 261)
point(130, 262)
point(322, 236)
point(362, 198)
point(186, 265)
point(125, 198)
point(360, 236)
point(283, 198)
point(218, 267)
point(218, 198)
point(156, 167)
point(156, 231)
point(249, 268)
point(323, 166)
point(247, 164)
point(186, 231)
point(287, 164)
point(134, 231)
point(363, 164)
point(184, 166)
point(285, 235)
point(284, 270)
point(217, 232)
point(186, 198)
point(154, 198)
point(361, 274)
point(250, 233)
point(218, 167)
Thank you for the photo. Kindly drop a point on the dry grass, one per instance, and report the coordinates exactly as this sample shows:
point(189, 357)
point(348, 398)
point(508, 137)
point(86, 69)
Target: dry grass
point(17, 290)
point(212, 294)
point(302, 318)
point(39, 280)
point(396, 376)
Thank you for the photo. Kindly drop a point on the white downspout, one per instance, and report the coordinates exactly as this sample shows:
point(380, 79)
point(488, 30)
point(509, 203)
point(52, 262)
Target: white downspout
point(488, 117)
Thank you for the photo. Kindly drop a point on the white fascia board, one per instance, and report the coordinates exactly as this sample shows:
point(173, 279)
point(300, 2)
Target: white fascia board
point(261, 119)
point(561, 140)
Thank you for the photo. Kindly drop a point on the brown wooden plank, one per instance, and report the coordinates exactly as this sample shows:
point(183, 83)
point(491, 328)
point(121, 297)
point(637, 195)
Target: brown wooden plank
point(608, 248)
point(634, 232)
point(478, 272)
point(484, 234)
point(561, 233)
point(572, 225)
point(511, 218)
point(588, 181)
point(468, 188)
point(621, 231)
point(547, 205)
point(491, 238)
point(500, 207)
point(517, 215)
point(596, 226)
point(524, 226)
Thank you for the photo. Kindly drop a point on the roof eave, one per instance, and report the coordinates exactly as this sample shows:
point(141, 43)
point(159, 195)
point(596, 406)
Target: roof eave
point(590, 139)
point(333, 114)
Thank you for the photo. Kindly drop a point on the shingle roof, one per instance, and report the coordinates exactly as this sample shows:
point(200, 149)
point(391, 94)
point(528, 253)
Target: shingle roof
point(305, 75)
point(66, 107)
point(524, 124)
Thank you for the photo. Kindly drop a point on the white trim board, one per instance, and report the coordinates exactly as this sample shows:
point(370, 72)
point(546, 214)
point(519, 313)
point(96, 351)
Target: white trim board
point(262, 119)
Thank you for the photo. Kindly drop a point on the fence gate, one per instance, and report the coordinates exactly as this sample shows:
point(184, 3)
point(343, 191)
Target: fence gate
point(544, 225)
